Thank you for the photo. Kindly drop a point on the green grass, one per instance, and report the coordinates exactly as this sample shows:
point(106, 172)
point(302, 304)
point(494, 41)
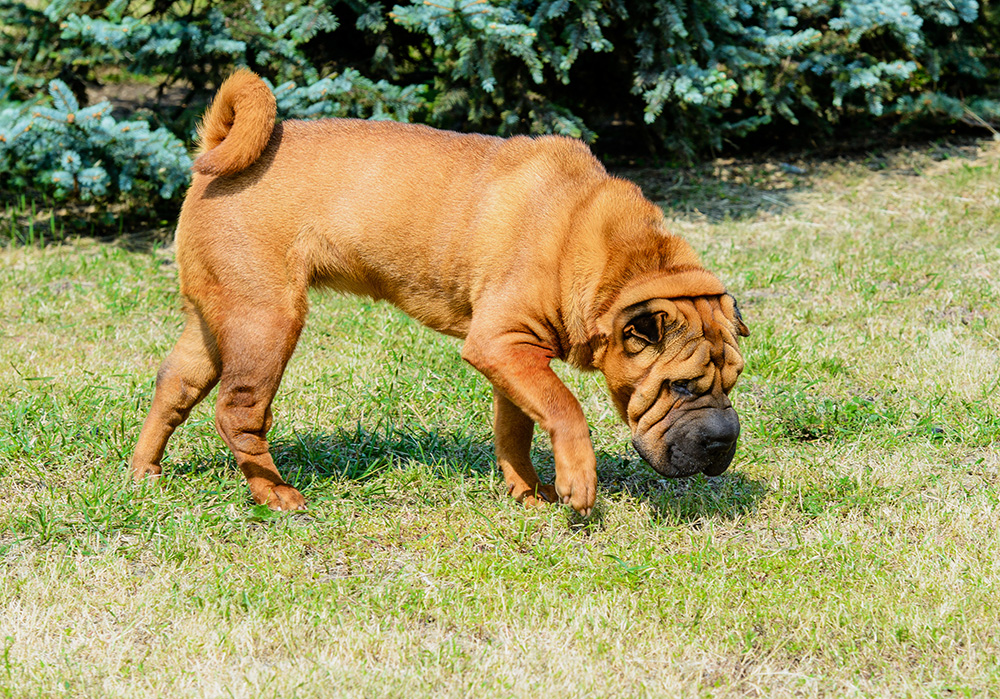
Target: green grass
point(853, 549)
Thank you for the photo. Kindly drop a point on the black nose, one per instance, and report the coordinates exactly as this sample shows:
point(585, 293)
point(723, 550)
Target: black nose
point(717, 447)
point(717, 435)
point(718, 430)
point(701, 441)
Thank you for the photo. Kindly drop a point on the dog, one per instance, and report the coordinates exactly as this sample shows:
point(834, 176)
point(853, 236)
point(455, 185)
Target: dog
point(525, 248)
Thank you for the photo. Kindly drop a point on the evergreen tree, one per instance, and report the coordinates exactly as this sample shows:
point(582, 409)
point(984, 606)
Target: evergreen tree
point(691, 73)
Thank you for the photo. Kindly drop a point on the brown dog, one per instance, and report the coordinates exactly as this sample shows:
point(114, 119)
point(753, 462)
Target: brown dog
point(524, 247)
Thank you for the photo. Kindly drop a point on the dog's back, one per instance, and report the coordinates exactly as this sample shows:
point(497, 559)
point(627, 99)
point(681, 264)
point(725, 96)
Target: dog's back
point(420, 217)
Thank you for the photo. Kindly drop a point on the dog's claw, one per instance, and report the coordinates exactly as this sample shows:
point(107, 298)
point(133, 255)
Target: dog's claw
point(547, 493)
point(580, 495)
point(540, 495)
point(533, 501)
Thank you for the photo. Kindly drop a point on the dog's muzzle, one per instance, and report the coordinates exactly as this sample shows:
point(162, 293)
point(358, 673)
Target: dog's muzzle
point(700, 441)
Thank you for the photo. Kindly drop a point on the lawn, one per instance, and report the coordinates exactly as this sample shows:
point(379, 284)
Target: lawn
point(853, 548)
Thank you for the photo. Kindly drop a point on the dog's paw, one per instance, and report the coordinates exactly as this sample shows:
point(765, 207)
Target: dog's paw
point(579, 490)
point(539, 495)
point(141, 472)
point(285, 497)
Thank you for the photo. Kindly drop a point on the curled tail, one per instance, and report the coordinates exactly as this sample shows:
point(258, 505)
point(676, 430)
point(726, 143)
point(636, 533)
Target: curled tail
point(236, 128)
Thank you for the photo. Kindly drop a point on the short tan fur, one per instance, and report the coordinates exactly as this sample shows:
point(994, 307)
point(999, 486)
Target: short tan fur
point(524, 247)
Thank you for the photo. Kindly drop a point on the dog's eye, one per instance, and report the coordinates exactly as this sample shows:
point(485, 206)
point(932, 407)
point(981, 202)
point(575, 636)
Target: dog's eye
point(681, 388)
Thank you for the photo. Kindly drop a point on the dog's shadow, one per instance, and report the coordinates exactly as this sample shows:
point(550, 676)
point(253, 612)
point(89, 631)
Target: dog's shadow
point(696, 500)
point(362, 454)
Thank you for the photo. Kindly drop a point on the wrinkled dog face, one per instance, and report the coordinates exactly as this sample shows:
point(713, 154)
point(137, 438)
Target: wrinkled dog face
point(670, 365)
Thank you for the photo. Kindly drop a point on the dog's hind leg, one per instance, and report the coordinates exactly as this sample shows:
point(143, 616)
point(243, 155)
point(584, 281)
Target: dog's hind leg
point(255, 344)
point(512, 433)
point(186, 376)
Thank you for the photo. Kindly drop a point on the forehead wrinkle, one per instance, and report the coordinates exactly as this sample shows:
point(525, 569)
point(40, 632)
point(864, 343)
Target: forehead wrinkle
point(667, 366)
point(712, 333)
point(723, 321)
point(692, 343)
point(687, 335)
point(725, 354)
point(691, 364)
point(708, 348)
point(712, 330)
point(686, 308)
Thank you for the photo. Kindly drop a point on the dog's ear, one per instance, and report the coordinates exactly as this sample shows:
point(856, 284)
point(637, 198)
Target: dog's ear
point(644, 329)
point(741, 328)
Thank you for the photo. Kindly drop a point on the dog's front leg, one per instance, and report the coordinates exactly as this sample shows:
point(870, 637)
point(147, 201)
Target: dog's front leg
point(518, 367)
point(512, 433)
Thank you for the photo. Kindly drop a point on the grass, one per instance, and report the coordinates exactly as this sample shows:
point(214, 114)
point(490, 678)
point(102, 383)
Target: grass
point(853, 549)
